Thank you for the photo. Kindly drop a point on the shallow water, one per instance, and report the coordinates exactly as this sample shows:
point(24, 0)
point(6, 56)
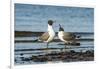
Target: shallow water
point(32, 48)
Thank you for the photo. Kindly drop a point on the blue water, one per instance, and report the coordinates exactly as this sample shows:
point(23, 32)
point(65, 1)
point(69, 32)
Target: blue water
point(30, 17)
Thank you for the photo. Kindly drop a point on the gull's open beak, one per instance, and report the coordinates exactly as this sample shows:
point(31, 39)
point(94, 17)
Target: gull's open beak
point(59, 25)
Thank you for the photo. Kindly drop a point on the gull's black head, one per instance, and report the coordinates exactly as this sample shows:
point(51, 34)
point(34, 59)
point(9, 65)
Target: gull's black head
point(60, 28)
point(50, 22)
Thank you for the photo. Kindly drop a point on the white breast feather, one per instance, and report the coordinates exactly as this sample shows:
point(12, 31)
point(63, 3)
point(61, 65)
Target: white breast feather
point(60, 35)
point(51, 33)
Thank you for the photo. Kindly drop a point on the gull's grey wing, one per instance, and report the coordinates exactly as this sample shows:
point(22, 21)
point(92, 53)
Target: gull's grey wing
point(68, 36)
point(44, 36)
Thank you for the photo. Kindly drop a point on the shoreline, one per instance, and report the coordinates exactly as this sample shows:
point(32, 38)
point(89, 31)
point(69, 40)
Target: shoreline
point(31, 33)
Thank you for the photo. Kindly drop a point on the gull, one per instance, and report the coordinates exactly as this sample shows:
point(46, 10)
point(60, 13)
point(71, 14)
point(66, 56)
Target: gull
point(66, 37)
point(48, 36)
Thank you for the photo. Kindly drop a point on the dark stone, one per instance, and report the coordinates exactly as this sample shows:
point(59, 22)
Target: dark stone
point(72, 51)
point(21, 54)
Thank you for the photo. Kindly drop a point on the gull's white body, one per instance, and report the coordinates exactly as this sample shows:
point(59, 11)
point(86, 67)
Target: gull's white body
point(60, 35)
point(51, 33)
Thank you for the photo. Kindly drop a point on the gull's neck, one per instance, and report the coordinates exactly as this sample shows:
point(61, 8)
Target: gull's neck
point(50, 28)
point(61, 31)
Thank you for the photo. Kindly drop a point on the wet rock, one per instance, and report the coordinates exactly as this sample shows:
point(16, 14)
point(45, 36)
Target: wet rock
point(72, 51)
point(21, 54)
